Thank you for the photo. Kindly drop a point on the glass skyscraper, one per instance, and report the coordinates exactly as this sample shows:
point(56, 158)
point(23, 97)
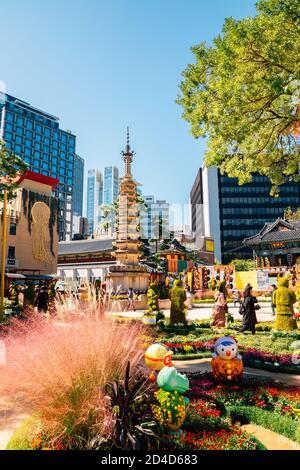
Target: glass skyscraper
point(110, 185)
point(154, 218)
point(94, 199)
point(35, 136)
point(78, 185)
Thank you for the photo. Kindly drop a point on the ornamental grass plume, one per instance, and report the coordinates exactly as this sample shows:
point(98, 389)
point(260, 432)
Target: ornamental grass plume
point(61, 368)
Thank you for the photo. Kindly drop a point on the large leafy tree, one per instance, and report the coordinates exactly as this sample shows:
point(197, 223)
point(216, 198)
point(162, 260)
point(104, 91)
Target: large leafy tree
point(242, 93)
point(11, 166)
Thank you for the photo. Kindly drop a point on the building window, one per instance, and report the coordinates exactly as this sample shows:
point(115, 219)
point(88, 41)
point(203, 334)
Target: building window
point(29, 134)
point(38, 128)
point(12, 228)
point(11, 252)
point(9, 127)
point(9, 117)
point(20, 121)
point(47, 132)
point(38, 137)
point(19, 131)
point(8, 135)
point(29, 124)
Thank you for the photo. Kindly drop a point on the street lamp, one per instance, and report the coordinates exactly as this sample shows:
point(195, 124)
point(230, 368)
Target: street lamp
point(3, 254)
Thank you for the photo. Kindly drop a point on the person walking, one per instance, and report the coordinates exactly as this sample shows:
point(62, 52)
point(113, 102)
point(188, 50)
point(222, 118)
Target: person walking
point(273, 301)
point(131, 305)
point(248, 310)
point(42, 300)
point(220, 308)
point(189, 298)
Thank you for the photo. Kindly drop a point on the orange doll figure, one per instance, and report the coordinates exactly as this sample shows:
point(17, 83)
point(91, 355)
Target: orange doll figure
point(226, 363)
point(157, 356)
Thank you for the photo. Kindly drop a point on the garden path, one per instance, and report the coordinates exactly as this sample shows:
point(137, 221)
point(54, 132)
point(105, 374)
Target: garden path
point(203, 312)
point(203, 365)
point(271, 440)
point(12, 414)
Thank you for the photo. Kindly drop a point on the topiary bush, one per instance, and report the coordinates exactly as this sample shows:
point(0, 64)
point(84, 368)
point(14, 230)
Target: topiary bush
point(177, 296)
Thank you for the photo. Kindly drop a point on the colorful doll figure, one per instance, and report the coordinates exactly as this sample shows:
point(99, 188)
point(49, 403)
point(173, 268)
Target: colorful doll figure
point(170, 410)
point(226, 363)
point(157, 356)
point(170, 380)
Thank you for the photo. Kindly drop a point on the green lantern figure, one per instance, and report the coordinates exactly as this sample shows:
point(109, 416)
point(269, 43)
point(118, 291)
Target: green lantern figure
point(171, 407)
point(284, 298)
point(177, 296)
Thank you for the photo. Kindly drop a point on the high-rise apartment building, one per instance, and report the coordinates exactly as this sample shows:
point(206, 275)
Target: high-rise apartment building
point(94, 199)
point(36, 136)
point(110, 185)
point(229, 213)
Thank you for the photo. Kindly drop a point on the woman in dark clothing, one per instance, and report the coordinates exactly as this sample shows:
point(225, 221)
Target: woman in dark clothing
point(42, 300)
point(247, 309)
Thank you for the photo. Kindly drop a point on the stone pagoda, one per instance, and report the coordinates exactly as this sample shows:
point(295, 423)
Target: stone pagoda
point(128, 272)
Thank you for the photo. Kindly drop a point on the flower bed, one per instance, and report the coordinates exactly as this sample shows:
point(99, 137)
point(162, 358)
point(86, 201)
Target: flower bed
point(261, 401)
point(206, 428)
point(273, 351)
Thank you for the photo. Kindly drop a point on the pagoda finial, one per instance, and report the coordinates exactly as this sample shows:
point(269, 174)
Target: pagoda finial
point(128, 155)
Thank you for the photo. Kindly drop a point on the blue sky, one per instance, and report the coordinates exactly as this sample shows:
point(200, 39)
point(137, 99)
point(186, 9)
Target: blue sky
point(102, 65)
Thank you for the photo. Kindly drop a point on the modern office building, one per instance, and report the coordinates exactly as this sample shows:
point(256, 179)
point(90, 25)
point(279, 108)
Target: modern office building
point(102, 190)
point(110, 185)
point(229, 213)
point(154, 218)
point(94, 199)
point(78, 185)
point(36, 136)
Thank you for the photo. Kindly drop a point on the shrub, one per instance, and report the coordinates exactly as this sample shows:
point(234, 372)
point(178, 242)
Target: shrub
point(62, 369)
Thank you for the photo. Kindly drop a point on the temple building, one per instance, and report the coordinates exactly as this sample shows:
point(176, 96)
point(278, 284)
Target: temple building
point(32, 228)
point(277, 244)
point(128, 272)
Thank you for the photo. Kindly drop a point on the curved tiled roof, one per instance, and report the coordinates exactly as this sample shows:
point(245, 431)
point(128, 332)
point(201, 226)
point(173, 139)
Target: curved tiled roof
point(84, 246)
point(269, 235)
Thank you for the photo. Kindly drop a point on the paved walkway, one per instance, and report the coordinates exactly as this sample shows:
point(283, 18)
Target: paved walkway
point(12, 414)
point(203, 312)
point(271, 440)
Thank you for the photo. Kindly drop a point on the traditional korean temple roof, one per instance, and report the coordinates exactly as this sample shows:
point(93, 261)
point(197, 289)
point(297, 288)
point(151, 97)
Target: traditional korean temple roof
point(84, 246)
point(175, 247)
point(279, 231)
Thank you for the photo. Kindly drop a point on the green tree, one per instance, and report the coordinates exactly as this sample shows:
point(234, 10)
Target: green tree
point(290, 215)
point(242, 264)
point(11, 166)
point(243, 94)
